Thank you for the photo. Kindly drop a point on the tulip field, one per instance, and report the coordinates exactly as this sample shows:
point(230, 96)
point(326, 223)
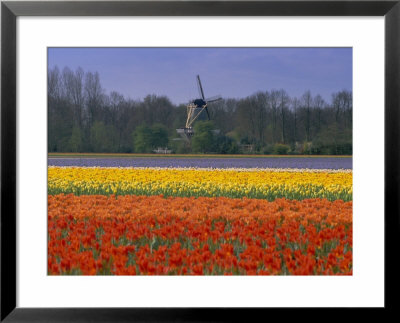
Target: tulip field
point(137, 220)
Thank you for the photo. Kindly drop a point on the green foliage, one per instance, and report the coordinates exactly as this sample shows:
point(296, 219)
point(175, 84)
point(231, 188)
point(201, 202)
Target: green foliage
point(281, 149)
point(203, 138)
point(331, 141)
point(142, 139)
point(306, 148)
point(60, 125)
point(146, 138)
point(335, 148)
point(102, 137)
point(159, 134)
point(180, 146)
point(308, 191)
point(268, 149)
point(75, 141)
point(225, 145)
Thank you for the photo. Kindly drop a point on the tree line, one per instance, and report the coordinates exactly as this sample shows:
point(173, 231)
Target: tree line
point(82, 117)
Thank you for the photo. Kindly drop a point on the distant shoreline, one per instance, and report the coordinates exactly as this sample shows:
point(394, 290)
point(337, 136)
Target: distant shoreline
point(133, 155)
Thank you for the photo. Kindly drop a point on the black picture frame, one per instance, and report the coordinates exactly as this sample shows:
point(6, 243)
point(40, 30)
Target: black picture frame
point(10, 10)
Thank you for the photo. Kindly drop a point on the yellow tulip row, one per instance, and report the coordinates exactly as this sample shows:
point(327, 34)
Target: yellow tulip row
point(268, 184)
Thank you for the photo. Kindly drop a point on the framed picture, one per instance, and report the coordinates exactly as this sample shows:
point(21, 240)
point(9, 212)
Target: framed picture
point(173, 206)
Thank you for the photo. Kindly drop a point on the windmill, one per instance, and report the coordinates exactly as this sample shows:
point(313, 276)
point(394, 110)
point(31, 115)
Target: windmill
point(194, 109)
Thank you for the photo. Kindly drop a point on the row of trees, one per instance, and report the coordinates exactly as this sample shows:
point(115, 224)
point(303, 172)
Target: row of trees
point(83, 118)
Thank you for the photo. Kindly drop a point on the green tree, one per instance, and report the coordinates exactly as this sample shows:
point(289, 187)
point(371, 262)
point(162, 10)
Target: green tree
point(75, 141)
point(159, 136)
point(102, 137)
point(142, 139)
point(225, 145)
point(281, 149)
point(203, 138)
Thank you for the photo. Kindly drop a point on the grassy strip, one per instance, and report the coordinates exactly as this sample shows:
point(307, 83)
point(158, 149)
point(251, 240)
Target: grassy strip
point(270, 195)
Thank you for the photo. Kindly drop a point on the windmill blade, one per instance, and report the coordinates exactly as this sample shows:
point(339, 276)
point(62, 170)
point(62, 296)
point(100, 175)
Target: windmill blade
point(208, 114)
point(201, 92)
point(214, 98)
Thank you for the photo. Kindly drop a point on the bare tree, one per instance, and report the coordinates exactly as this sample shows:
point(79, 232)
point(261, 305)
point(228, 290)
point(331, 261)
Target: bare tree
point(54, 84)
point(77, 95)
point(348, 108)
point(307, 103)
point(246, 118)
point(260, 114)
point(295, 106)
point(73, 92)
point(93, 96)
point(319, 104)
point(283, 102)
point(338, 104)
point(115, 100)
point(274, 104)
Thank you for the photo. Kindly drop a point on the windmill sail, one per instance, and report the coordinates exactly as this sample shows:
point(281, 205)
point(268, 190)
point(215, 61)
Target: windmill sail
point(208, 115)
point(201, 92)
point(214, 98)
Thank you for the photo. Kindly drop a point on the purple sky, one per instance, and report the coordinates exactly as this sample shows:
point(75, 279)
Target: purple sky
point(230, 72)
